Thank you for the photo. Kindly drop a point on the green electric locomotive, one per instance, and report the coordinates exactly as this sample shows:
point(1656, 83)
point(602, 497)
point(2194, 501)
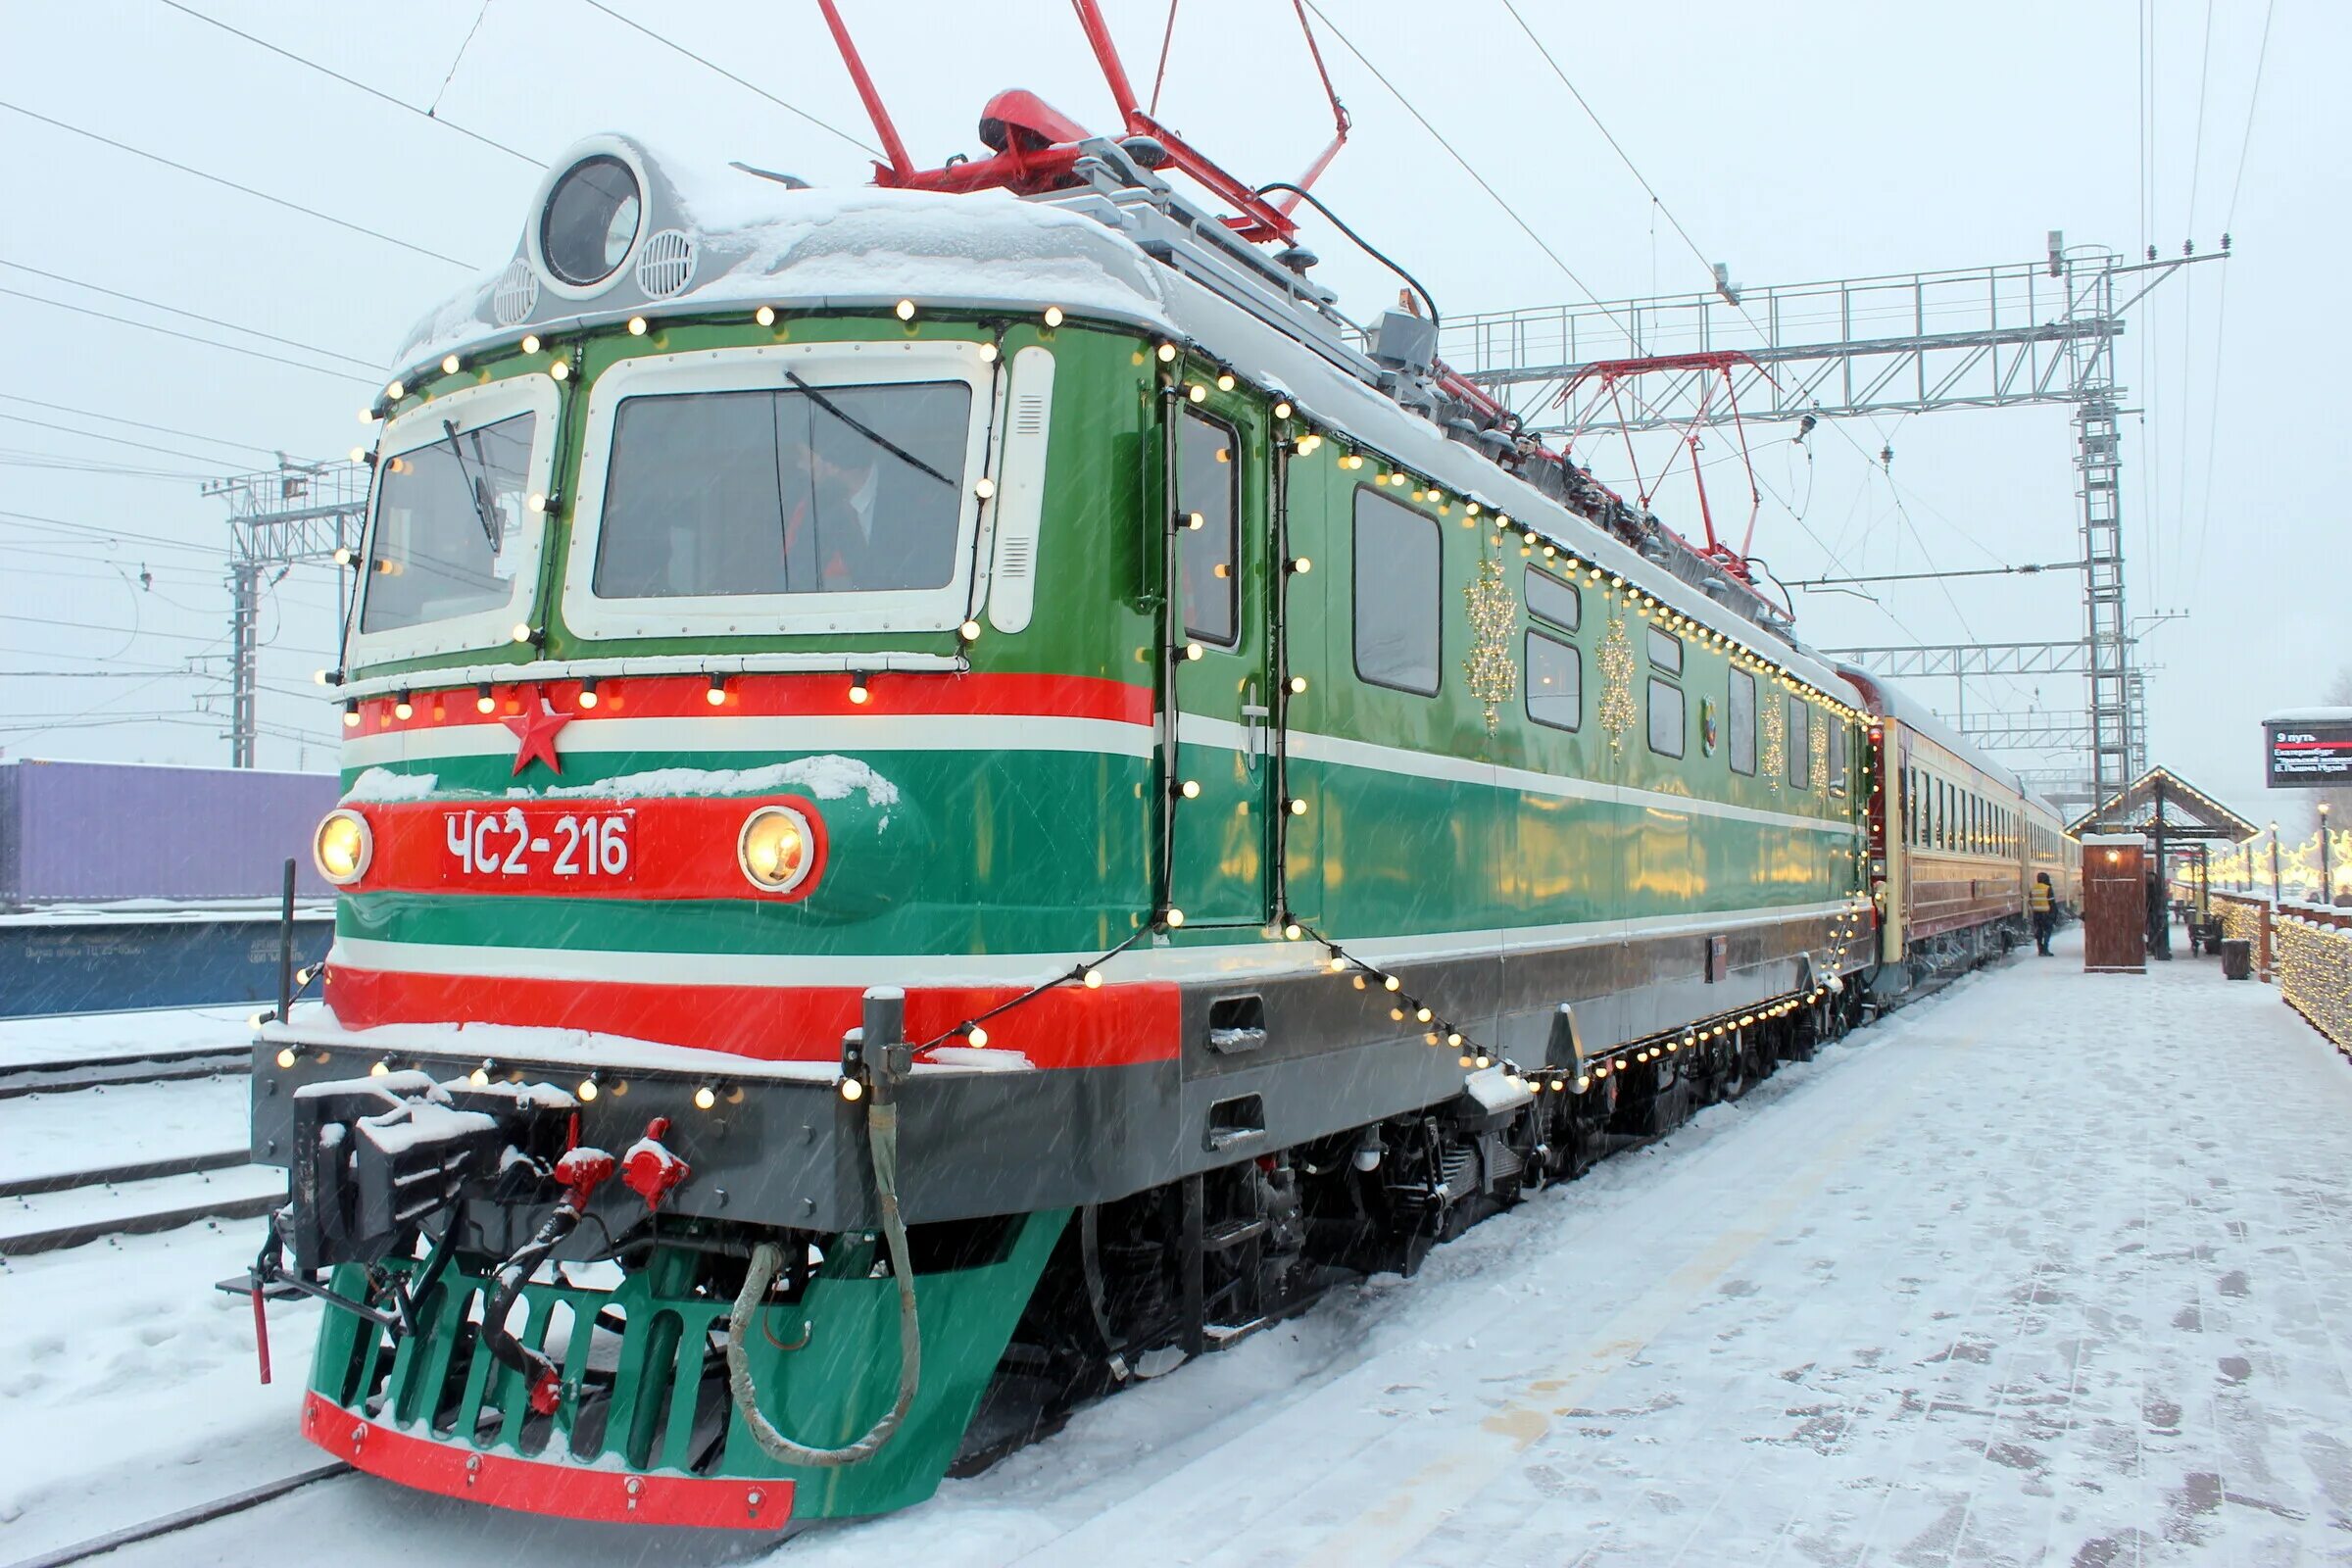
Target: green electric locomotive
point(957, 791)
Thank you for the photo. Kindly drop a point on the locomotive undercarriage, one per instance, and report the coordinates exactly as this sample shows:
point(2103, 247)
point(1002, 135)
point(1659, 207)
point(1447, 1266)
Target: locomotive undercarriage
point(616, 1324)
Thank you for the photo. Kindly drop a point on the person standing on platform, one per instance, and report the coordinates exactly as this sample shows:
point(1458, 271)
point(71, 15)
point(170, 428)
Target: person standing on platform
point(2043, 901)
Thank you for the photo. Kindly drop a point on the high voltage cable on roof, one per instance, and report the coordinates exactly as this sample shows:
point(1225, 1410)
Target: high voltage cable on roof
point(209, 342)
point(352, 81)
point(140, 425)
point(193, 316)
point(748, 86)
point(260, 195)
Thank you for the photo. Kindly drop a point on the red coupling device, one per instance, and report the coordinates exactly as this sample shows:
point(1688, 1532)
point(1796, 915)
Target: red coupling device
point(582, 1170)
point(649, 1169)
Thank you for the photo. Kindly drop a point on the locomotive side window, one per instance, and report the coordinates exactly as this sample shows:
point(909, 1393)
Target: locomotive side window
point(1555, 682)
point(1665, 652)
point(1800, 744)
point(1667, 708)
point(1666, 715)
point(1398, 597)
point(1549, 599)
point(1740, 718)
point(1837, 743)
point(805, 490)
point(447, 519)
point(1208, 485)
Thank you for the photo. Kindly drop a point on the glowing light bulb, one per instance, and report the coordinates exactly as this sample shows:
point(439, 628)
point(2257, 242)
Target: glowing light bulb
point(1168, 353)
point(1282, 410)
point(1292, 931)
point(1303, 565)
point(984, 487)
point(285, 1055)
point(1192, 652)
point(851, 1089)
point(976, 1035)
point(531, 343)
point(396, 391)
point(705, 1097)
point(969, 631)
point(588, 1088)
point(1298, 808)
point(1197, 392)
point(637, 326)
point(404, 709)
point(451, 364)
point(905, 310)
point(1174, 917)
point(1053, 316)
point(1390, 983)
point(1189, 789)
point(1094, 979)
point(1297, 685)
point(561, 370)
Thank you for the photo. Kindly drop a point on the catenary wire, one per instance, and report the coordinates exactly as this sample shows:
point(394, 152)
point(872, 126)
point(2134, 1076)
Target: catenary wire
point(209, 342)
point(352, 81)
point(748, 86)
point(216, 179)
point(146, 303)
point(140, 425)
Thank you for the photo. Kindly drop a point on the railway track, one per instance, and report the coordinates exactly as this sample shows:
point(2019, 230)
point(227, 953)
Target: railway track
point(183, 1519)
point(48, 1212)
point(64, 1074)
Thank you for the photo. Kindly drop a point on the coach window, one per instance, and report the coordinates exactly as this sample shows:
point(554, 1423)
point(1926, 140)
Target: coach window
point(1800, 744)
point(1398, 595)
point(1836, 758)
point(1208, 486)
point(1555, 682)
point(1739, 716)
point(1549, 599)
point(1667, 714)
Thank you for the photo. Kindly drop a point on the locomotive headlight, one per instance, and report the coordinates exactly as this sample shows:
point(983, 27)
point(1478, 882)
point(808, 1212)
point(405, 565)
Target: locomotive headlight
point(342, 846)
point(776, 849)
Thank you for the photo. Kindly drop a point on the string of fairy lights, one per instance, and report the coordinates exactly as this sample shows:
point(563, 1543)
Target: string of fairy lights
point(1188, 374)
point(2314, 964)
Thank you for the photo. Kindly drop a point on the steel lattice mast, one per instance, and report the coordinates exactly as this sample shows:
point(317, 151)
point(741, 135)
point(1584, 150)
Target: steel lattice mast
point(295, 514)
point(1980, 337)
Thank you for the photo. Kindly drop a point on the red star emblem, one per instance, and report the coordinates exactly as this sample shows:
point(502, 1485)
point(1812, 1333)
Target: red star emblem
point(537, 733)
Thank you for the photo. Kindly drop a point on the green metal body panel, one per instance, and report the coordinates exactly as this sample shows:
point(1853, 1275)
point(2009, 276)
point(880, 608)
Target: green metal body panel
point(826, 1368)
point(1001, 852)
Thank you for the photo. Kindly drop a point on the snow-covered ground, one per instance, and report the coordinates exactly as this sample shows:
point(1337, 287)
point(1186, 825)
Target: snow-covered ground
point(2047, 1270)
point(103, 1036)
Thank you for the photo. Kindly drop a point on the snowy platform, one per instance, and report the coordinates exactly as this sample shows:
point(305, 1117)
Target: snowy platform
point(2046, 1270)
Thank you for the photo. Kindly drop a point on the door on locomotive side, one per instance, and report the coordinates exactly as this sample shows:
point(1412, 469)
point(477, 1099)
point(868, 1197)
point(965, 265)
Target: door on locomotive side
point(1223, 790)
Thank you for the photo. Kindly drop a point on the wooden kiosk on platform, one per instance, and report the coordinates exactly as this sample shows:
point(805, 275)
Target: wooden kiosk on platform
point(2127, 840)
point(2115, 904)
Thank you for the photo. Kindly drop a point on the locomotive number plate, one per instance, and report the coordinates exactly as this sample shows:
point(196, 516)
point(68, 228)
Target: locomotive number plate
point(540, 845)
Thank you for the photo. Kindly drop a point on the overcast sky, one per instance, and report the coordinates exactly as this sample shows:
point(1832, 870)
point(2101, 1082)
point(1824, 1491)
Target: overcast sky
point(1794, 143)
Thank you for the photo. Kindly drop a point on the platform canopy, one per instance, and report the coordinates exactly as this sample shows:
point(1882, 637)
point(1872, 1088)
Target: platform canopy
point(2167, 808)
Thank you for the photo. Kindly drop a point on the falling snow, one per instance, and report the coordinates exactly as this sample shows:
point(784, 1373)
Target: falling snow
point(2047, 1270)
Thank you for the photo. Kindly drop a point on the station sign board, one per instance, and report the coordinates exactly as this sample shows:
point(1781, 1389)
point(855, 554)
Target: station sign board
point(2308, 754)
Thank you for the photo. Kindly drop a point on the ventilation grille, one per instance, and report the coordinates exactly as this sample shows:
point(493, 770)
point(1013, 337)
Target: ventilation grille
point(517, 293)
point(1029, 414)
point(666, 263)
point(1012, 559)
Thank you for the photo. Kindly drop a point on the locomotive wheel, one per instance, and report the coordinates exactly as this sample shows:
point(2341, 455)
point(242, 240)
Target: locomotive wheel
point(1735, 1075)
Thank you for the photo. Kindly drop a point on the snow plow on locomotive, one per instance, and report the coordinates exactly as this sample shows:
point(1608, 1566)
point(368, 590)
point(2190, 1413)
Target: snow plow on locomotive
point(952, 798)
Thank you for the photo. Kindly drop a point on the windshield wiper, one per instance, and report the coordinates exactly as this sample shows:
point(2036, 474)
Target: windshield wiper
point(873, 435)
point(475, 485)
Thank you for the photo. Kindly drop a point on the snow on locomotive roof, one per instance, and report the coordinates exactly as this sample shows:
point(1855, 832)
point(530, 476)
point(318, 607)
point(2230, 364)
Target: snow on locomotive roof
point(749, 238)
point(706, 239)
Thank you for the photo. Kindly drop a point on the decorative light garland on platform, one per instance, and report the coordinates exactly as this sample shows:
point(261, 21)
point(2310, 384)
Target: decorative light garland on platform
point(2313, 962)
